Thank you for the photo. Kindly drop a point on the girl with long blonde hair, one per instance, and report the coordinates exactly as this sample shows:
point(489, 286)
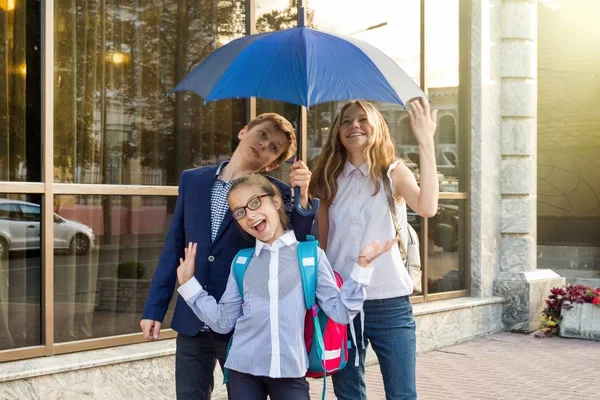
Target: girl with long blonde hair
point(349, 179)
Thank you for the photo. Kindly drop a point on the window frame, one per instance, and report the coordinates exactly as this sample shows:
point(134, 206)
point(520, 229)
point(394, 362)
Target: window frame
point(48, 188)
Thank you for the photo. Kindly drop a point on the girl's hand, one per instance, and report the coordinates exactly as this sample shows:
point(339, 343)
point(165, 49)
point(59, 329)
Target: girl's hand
point(423, 121)
point(187, 266)
point(374, 250)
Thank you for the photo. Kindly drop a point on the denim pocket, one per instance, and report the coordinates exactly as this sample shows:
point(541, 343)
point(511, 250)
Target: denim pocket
point(389, 313)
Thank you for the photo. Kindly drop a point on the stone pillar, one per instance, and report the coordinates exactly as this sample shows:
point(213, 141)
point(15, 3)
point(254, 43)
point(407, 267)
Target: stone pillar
point(485, 159)
point(519, 281)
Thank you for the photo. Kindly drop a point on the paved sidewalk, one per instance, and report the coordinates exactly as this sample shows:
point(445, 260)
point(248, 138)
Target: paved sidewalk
point(501, 366)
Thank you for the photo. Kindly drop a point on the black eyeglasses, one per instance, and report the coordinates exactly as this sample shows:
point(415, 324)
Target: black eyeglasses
point(253, 204)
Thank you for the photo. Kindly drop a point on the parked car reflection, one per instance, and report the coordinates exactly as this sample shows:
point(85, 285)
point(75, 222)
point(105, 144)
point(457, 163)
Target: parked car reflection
point(20, 229)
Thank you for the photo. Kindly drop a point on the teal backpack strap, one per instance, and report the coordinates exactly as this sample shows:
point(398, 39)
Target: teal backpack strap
point(239, 267)
point(308, 261)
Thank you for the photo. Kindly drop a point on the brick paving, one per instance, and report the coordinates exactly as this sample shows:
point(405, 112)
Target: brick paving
point(501, 366)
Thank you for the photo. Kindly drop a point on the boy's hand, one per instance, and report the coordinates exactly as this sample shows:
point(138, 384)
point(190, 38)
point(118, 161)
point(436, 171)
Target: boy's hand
point(187, 265)
point(374, 250)
point(300, 176)
point(150, 328)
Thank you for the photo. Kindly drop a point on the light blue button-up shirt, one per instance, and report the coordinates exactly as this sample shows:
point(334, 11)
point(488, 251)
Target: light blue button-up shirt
point(269, 324)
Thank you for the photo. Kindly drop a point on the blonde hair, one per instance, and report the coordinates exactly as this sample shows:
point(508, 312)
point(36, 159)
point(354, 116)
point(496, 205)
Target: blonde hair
point(259, 181)
point(379, 153)
point(282, 125)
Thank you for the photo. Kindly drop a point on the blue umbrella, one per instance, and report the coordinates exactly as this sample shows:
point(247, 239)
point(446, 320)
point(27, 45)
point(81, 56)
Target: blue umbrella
point(301, 66)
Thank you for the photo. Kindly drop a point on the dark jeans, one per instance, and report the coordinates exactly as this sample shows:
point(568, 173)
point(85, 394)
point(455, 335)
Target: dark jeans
point(390, 329)
point(249, 387)
point(195, 361)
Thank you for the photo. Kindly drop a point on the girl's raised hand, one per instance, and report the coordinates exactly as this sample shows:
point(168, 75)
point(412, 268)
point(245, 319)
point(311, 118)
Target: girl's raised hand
point(374, 250)
point(423, 121)
point(187, 265)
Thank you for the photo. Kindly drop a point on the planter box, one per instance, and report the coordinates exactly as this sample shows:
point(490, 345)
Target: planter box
point(581, 322)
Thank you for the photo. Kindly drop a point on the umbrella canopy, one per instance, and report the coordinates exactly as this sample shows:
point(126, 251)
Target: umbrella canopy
point(301, 66)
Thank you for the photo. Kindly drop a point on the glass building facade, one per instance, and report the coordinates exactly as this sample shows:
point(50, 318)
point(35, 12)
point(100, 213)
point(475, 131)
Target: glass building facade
point(92, 146)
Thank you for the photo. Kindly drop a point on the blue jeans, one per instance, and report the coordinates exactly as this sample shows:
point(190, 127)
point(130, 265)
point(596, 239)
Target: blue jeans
point(390, 329)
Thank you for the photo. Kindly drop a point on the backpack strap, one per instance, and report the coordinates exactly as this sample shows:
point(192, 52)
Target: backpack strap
point(309, 265)
point(240, 265)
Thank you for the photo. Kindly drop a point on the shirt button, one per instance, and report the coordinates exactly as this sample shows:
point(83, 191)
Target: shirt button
point(211, 258)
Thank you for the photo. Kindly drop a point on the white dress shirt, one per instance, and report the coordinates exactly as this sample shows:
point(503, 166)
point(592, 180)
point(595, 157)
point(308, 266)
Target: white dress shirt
point(356, 218)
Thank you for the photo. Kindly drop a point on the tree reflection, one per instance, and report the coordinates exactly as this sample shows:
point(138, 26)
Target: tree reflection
point(13, 77)
point(276, 20)
point(116, 61)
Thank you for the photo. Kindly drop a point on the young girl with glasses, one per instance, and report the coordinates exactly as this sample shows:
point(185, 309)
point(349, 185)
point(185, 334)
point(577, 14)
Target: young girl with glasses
point(268, 354)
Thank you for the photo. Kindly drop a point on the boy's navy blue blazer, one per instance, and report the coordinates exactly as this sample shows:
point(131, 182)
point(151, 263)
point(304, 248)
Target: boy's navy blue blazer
point(192, 223)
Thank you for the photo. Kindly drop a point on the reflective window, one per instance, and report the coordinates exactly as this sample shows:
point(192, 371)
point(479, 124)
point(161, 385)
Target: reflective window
point(443, 84)
point(10, 211)
point(31, 212)
point(106, 252)
point(115, 63)
point(20, 100)
point(568, 140)
point(442, 43)
point(446, 247)
point(20, 271)
point(397, 33)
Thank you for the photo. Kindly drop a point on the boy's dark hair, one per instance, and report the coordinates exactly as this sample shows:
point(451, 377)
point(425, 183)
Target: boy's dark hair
point(282, 125)
point(257, 180)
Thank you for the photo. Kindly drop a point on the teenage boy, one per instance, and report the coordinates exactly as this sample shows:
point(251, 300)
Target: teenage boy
point(202, 215)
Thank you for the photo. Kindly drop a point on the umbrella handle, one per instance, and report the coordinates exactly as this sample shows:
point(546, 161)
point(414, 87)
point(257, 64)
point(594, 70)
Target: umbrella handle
point(300, 209)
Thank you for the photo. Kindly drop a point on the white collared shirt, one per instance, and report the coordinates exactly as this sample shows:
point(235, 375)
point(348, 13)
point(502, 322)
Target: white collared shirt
point(356, 218)
point(269, 325)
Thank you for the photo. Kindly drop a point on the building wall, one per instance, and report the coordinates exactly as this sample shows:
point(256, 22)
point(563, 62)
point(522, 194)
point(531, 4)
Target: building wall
point(89, 376)
point(503, 168)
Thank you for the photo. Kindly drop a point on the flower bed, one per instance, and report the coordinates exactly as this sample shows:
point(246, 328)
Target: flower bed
point(572, 311)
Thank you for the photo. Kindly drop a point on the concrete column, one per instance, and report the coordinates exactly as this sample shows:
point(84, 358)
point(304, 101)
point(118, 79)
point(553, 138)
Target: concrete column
point(518, 279)
point(485, 144)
